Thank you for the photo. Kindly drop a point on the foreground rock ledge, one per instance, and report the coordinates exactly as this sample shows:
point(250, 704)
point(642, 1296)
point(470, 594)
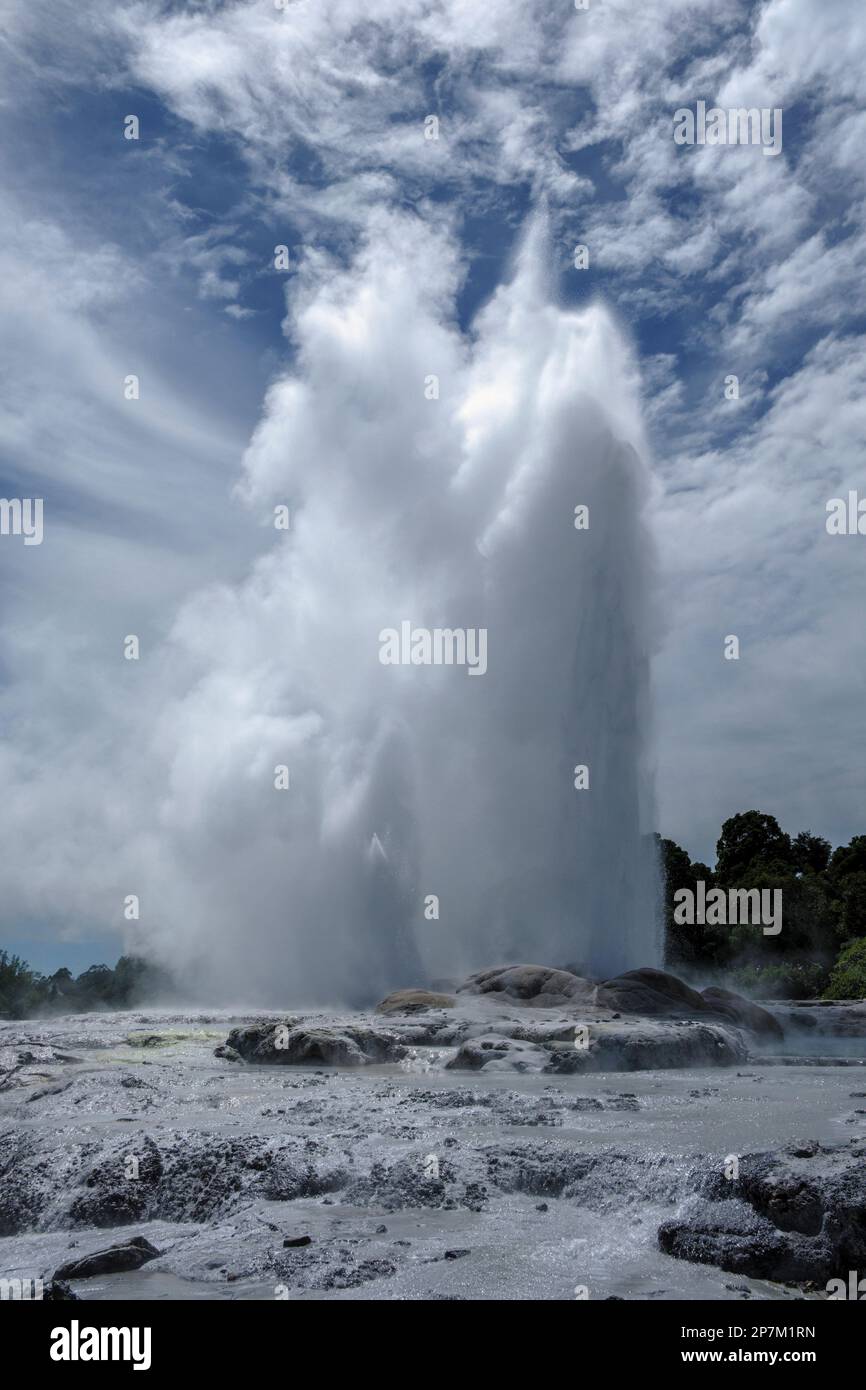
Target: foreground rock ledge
point(798, 1216)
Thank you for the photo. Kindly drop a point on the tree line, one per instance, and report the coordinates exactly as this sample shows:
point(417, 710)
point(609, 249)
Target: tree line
point(25, 993)
point(821, 949)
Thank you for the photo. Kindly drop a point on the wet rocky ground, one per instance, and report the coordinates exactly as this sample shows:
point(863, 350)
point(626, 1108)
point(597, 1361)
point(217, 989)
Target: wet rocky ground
point(527, 1138)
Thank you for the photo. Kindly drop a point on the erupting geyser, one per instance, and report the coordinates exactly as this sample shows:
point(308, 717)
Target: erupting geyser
point(438, 817)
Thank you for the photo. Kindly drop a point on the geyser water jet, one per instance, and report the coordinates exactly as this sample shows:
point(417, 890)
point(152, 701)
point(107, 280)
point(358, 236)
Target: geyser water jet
point(509, 503)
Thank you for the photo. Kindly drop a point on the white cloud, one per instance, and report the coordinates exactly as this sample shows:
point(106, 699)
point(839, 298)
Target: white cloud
point(746, 551)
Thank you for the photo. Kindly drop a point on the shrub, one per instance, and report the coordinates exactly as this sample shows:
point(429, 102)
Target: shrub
point(848, 978)
point(798, 979)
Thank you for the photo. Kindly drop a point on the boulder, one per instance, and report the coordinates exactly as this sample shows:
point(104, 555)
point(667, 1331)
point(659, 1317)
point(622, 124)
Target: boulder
point(651, 992)
point(658, 993)
point(536, 985)
point(291, 1043)
point(116, 1259)
point(414, 1001)
point(743, 1012)
point(651, 1045)
point(493, 1053)
point(58, 1292)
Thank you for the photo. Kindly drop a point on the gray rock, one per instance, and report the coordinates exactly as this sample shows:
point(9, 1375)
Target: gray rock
point(289, 1043)
point(656, 993)
point(492, 1053)
point(648, 1045)
point(109, 1199)
point(651, 992)
point(536, 985)
point(116, 1259)
point(59, 1292)
point(743, 1012)
point(286, 1179)
point(413, 1001)
point(795, 1216)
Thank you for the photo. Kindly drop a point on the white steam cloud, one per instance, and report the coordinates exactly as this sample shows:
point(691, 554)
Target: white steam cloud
point(405, 781)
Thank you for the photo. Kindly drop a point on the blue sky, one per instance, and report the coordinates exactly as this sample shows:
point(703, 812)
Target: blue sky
point(261, 126)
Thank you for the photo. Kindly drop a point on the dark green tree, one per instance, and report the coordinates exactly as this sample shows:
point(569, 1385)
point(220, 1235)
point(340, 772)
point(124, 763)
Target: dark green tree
point(687, 944)
point(848, 980)
point(850, 858)
point(22, 990)
point(747, 837)
point(810, 853)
